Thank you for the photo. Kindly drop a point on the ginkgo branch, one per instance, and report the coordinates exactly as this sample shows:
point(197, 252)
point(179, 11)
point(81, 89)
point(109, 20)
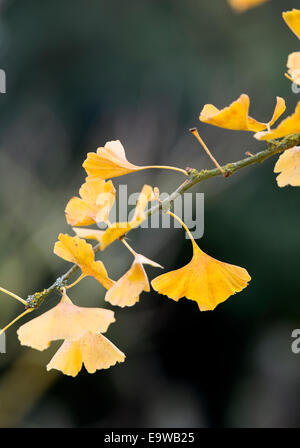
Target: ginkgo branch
point(195, 177)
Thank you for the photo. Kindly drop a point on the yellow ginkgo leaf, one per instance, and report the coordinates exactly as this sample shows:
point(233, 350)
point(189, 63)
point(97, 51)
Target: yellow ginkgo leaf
point(95, 351)
point(293, 65)
point(119, 229)
point(97, 199)
point(64, 321)
point(110, 161)
point(288, 126)
point(127, 289)
point(292, 19)
point(204, 279)
point(236, 116)
point(243, 5)
point(288, 165)
point(78, 251)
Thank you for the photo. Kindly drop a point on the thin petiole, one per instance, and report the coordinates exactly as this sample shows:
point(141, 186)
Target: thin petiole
point(15, 320)
point(182, 223)
point(76, 281)
point(14, 296)
point(195, 132)
point(288, 77)
point(174, 168)
point(128, 247)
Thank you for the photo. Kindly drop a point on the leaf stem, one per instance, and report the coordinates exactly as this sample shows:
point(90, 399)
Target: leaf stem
point(163, 167)
point(13, 295)
point(128, 247)
point(15, 320)
point(195, 132)
point(182, 223)
point(76, 281)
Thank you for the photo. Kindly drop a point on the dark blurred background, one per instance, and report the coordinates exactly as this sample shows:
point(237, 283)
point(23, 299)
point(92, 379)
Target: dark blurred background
point(80, 73)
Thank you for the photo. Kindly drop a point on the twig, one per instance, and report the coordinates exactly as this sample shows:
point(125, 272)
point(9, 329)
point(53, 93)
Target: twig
point(195, 177)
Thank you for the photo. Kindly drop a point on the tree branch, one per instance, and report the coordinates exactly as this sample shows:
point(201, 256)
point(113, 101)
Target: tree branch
point(195, 177)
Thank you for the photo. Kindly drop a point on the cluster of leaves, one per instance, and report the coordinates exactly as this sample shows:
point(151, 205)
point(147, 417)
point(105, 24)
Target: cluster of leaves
point(236, 116)
point(204, 279)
